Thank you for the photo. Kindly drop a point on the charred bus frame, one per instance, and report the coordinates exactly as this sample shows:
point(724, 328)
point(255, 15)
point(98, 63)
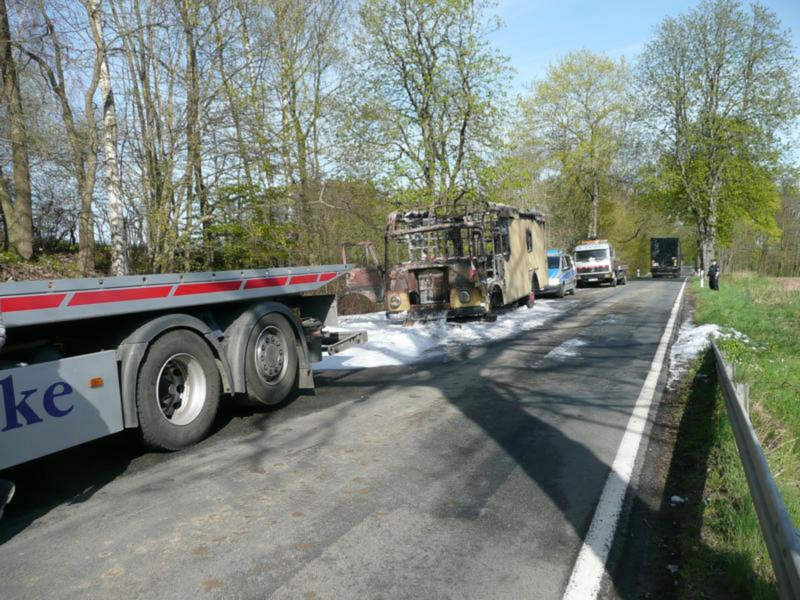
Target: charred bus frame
point(450, 264)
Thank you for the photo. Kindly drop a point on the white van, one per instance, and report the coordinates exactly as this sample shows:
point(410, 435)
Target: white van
point(596, 263)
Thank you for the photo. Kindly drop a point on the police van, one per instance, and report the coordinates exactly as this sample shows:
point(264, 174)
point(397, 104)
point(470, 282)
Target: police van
point(561, 274)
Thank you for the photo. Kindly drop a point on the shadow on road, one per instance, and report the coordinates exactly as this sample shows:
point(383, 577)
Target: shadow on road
point(526, 422)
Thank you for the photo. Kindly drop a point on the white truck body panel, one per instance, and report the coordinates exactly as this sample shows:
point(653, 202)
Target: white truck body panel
point(51, 406)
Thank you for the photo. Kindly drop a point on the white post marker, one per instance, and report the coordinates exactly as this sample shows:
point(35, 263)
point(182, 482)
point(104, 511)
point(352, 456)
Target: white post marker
point(701, 278)
point(587, 574)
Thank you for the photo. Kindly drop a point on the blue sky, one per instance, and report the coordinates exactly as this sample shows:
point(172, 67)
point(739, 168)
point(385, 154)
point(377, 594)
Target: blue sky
point(538, 32)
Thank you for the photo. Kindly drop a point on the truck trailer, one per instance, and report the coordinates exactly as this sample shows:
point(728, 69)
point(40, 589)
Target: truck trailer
point(86, 358)
point(665, 257)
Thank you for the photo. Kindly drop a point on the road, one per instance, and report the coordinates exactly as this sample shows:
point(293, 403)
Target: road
point(475, 475)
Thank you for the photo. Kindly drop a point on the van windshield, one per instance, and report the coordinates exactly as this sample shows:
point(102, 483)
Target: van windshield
point(584, 255)
point(553, 262)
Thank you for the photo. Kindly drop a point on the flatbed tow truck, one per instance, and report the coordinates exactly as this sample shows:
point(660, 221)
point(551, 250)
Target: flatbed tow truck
point(86, 358)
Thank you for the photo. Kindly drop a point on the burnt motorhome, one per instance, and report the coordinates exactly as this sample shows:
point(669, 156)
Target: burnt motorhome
point(458, 262)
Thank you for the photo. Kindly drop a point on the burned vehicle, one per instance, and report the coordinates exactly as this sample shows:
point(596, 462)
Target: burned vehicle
point(457, 263)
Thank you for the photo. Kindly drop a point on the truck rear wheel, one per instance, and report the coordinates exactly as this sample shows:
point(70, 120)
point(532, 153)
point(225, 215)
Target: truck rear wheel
point(270, 366)
point(177, 392)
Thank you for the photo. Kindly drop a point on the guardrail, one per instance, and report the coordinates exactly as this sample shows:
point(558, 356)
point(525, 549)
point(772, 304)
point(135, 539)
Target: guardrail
point(782, 540)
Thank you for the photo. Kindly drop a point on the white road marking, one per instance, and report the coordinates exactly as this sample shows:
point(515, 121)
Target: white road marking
point(587, 574)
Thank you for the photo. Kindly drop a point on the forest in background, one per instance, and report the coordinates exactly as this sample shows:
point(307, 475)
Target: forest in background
point(145, 136)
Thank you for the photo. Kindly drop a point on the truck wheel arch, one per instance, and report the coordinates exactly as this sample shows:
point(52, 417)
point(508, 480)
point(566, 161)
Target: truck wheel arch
point(238, 332)
point(131, 352)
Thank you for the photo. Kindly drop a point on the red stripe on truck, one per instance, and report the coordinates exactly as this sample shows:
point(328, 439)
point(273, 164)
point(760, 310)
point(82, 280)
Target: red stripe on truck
point(327, 276)
point(17, 303)
point(312, 278)
point(103, 296)
point(263, 282)
point(188, 289)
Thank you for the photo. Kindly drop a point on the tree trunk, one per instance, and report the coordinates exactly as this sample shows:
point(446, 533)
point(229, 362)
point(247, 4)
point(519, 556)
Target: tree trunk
point(84, 155)
point(119, 243)
point(594, 201)
point(707, 247)
point(195, 184)
point(18, 215)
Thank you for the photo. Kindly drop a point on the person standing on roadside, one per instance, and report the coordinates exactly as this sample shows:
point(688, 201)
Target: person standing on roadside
point(713, 276)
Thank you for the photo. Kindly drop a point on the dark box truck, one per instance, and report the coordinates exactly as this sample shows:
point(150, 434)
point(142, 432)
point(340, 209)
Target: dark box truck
point(665, 257)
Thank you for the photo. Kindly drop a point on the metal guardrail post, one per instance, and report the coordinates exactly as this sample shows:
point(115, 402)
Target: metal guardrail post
point(782, 540)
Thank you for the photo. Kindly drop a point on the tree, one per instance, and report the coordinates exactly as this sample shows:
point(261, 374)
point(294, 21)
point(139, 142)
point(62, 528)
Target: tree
point(119, 243)
point(82, 140)
point(17, 213)
point(428, 106)
point(716, 88)
point(579, 115)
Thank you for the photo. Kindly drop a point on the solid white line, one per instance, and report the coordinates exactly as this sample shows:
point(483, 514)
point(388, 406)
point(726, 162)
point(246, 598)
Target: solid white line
point(587, 574)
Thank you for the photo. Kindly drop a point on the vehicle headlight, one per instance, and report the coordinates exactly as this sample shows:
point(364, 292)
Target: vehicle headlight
point(464, 296)
point(554, 281)
point(395, 302)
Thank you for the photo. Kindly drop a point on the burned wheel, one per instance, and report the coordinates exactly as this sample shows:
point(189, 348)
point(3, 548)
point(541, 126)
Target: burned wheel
point(528, 301)
point(496, 299)
point(177, 392)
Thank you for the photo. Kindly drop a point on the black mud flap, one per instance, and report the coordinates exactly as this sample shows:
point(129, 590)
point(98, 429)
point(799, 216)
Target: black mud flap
point(6, 494)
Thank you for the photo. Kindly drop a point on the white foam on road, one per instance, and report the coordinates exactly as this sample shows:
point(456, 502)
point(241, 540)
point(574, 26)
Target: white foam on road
point(390, 343)
point(566, 350)
point(691, 342)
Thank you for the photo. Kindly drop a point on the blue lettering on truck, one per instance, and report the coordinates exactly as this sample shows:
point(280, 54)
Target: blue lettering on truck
point(14, 409)
point(47, 407)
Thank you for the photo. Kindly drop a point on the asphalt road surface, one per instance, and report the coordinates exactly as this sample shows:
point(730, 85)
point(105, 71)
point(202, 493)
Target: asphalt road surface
point(474, 475)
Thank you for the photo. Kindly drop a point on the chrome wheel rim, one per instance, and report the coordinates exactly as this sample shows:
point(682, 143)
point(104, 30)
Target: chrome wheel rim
point(271, 353)
point(181, 389)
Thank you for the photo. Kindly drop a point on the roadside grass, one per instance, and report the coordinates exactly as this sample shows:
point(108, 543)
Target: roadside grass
point(768, 313)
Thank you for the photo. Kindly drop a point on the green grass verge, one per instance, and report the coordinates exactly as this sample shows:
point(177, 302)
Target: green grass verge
point(767, 311)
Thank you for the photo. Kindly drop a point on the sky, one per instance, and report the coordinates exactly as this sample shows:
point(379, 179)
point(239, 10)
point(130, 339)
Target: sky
point(536, 33)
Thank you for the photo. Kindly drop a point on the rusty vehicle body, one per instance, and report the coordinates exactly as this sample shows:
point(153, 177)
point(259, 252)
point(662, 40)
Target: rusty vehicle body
point(366, 278)
point(455, 264)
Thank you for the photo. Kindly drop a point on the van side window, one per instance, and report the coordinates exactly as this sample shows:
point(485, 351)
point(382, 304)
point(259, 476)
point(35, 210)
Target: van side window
point(529, 240)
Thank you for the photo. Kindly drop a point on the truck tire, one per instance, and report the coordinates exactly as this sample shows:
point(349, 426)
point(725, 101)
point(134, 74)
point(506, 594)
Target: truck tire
point(613, 281)
point(270, 368)
point(177, 391)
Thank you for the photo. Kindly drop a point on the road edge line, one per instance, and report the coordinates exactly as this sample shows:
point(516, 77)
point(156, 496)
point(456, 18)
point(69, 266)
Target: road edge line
point(587, 573)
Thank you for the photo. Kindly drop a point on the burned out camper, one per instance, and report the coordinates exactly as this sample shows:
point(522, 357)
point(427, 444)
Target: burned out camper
point(458, 263)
